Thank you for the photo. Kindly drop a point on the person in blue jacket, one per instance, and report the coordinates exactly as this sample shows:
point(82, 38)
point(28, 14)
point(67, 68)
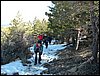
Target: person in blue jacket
point(38, 48)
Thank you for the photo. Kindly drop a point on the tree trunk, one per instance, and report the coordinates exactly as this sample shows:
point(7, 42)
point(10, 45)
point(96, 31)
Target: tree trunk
point(62, 39)
point(94, 32)
point(74, 41)
point(67, 39)
point(77, 45)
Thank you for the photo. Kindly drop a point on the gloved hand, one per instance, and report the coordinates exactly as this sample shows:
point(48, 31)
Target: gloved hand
point(36, 50)
point(40, 53)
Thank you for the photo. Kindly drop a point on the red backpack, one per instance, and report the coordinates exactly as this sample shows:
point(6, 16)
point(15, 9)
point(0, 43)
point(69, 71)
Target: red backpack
point(37, 45)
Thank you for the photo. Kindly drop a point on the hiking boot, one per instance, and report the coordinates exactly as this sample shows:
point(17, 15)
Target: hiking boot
point(39, 62)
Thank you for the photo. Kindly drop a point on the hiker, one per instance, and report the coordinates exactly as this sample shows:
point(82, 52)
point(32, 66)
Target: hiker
point(38, 48)
point(40, 37)
point(45, 42)
point(49, 39)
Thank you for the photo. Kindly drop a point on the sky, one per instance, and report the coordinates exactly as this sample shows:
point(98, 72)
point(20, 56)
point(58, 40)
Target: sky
point(28, 9)
point(48, 55)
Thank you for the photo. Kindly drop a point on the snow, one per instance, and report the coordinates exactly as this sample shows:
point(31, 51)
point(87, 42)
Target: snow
point(31, 69)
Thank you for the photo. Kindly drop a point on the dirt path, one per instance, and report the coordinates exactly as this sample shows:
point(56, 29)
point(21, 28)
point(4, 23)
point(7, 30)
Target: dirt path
point(71, 62)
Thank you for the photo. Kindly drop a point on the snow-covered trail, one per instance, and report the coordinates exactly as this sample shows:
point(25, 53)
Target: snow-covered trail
point(31, 69)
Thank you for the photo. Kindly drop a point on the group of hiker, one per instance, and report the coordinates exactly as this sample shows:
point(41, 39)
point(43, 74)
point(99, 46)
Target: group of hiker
point(38, 46)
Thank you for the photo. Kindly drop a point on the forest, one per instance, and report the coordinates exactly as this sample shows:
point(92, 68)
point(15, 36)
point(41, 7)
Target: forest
point(73, 22)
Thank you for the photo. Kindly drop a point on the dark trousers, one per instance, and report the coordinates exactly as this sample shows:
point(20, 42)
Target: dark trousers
point(50, 42)
point(36, 57)
point(46, 44)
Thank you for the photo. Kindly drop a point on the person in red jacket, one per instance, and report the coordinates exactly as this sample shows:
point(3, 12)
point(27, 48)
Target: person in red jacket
point(40, 38)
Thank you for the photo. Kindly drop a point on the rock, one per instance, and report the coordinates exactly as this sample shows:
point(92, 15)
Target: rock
point(28, 62)
point(16, 73)
point(3, 73)
point(45, 71)
point(46, 65)
point(73, 69)
point(71, 63)
point(24, 64)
